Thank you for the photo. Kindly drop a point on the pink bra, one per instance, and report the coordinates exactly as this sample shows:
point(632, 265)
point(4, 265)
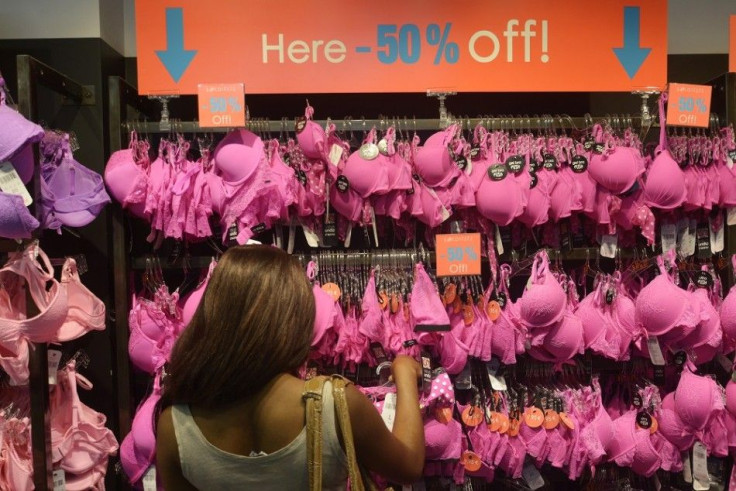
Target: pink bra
point(81, 444)
point(153, 330)
point(696, 398)
point(498, 197)
point(366, 170)
point(617, 167)
point(433, 161)
point(310, 135)
point(138, 450)
point(442, 441)
point(661, 306)
point(543, 302)
point(126, 176)
point(665, 187)
point(237, 156)
point(427, 311)
point(191, 301)
point(728, 316)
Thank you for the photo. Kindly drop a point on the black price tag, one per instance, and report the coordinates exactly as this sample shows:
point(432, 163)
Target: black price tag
point(659, 377)
point(703, 241)
point(475, 153)
point(426, 372)
point(534, 165)
point(550, 161)
point(497, 172)
point(378, 352)
point(533, 180)
point(409, 343)
point(704, 280)
point(732, 155)
point(589, 144)
point(342, 184)
point(258, 229)
point(232, 233)
point(610, 295)
point(329, 232)
point(300, 124)
point(636, 401)
point(515, 164)
point(643, 420)
point(599, 148)
point(461, 162)
point(579, 164)
point(501, 299)
point(680, 358)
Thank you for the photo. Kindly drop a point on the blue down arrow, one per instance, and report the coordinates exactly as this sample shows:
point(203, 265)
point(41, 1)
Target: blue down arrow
point(632, 56)
point(175, 58)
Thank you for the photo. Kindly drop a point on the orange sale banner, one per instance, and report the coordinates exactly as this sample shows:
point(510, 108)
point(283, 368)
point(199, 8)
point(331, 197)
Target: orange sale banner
point(689, 105)
point(298, 46)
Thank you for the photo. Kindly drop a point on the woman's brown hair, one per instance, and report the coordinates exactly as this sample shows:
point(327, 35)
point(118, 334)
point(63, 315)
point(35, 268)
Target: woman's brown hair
point(254, 322)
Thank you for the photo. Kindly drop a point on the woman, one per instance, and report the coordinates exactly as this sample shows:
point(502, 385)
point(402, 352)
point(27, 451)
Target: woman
point(233, 415)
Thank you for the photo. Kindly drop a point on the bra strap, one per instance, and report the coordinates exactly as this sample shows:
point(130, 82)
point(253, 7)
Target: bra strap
point(662, 123)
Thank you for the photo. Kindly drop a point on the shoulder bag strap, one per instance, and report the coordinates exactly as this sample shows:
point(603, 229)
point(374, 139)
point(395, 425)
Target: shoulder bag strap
point(313, 400)
point(357, 483)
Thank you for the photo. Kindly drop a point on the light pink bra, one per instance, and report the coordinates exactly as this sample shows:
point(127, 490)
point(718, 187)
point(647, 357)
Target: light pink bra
point(433, 161)
point(617, 167)
point(138, 450)
point(543, 302)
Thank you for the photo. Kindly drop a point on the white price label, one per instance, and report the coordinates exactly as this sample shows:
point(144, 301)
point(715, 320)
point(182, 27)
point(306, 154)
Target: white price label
point(731, 216)
point(683, 228)
point(655, 351)
point(700, 463)
point(59, 479)
point(725, 362)
point(335, 154)
point(389, 410)
point(10, 183)
point(498, 382)
point(717, 243)
point(699, 485)
point(532, 476)
point(312, 238)
point(499, 242)
point(691, 238)
point(669, 236)
point(149, 479)
point(687, 468)
point(609, 246)
point(54, 357)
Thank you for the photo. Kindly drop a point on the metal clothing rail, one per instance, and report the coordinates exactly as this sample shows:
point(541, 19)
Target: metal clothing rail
point(32, 74)
point(404, 123)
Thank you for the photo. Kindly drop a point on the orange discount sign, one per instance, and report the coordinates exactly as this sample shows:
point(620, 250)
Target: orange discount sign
point(457, 254)
point(221, 105)
point(732, 45)
point(297, 46)
point(689, 105)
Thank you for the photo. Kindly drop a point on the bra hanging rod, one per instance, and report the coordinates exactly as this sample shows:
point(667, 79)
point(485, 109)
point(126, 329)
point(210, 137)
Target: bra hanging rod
point(555, 122)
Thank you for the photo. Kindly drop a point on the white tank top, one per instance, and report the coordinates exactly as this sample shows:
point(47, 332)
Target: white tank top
point(207, 467)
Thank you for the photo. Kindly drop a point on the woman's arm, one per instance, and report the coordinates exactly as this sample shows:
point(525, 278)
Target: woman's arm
point(167, 455)
point(397, 455)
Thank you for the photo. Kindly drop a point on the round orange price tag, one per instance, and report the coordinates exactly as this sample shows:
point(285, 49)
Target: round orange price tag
point(567, 421)
point(514, 426)
point(655, 426)
point(394, 303)
point(407, 312)
point(470, 461)
point(533, 417)
point(505, 423)
point(551, 419)
point(472, 416)
point(495, 423)
point(333, 290)
point(383, 300)
point(450, 294)
point(493, 309)
point(443, 414)
point(457, 305)
point(468, 314)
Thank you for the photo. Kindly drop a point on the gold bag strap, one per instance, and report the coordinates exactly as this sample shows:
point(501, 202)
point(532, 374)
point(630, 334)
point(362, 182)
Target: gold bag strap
point(313, 399)
point(343, 418)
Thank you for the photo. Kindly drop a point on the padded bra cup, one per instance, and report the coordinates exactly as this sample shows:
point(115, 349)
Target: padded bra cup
point(618, 170)
point(695, 398)
point(499, 201)
point(433, 161)
point(367, 177)
point(238, 154)
point(543, 303)
point(665, 186)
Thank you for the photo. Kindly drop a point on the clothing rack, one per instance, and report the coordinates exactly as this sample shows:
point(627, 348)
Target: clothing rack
point(129, 111)
point(405, 123)
point(31, 75)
